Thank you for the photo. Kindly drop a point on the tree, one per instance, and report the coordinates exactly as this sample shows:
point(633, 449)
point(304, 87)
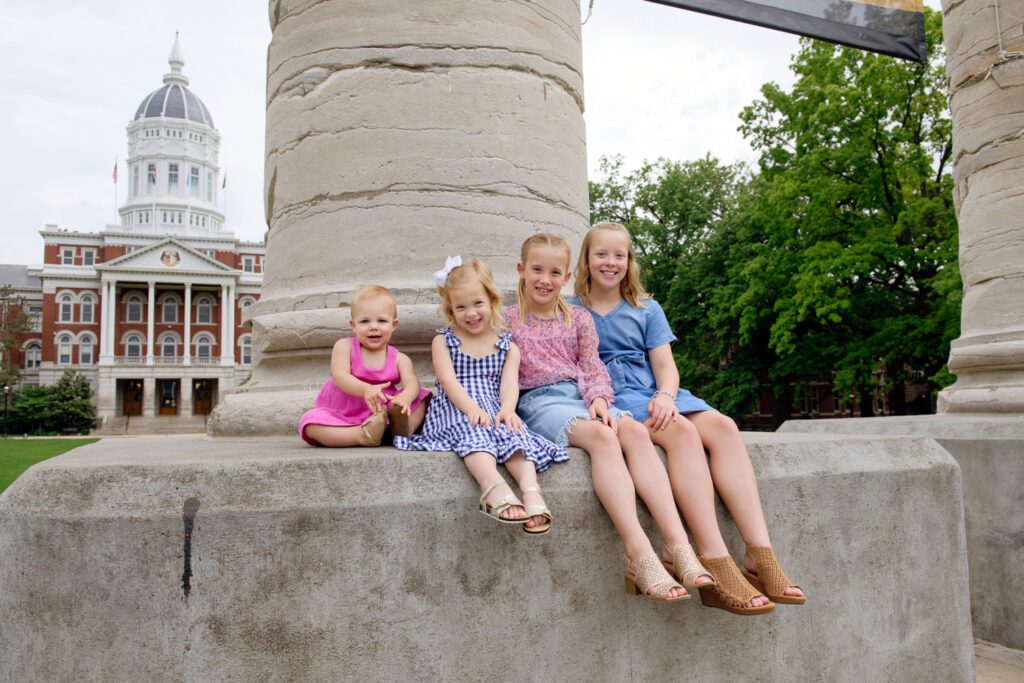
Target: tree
point(14, 321)
point(69, 403)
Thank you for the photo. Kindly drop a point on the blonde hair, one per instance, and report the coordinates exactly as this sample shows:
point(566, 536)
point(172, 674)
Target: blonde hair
point(369, 293)
point(544, 239)
point(630, 288)
point(461, 276)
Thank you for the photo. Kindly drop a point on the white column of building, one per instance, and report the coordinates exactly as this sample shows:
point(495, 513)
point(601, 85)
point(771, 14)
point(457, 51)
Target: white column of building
point(104, 321)
point(187, 353)
point(224, 350)
point(150, 323)
point(229, 336)
point(110, 331)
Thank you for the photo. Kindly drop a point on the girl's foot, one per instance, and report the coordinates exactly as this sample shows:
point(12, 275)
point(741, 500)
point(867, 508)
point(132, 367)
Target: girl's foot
point(763, 570)
point(540, 517)
point(499, 502)
point(647, 576)
point(682, 563)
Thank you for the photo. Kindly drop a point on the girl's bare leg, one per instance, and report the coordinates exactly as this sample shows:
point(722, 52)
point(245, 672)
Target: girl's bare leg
point(614, 486)
point(484, 469)
point(525, 474)
point(733, 476)
point(335, 437)
point(416, 418)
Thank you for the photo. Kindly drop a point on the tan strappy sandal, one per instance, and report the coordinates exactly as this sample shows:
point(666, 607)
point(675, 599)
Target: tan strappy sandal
point(769, 577)
point(494, 511)
point(539, 509)
point(648, 578)
point(731, 592)
point(373, 429)
point(682, 563)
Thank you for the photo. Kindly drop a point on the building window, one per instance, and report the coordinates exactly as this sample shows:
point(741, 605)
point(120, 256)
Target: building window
point(88, 257)
point(169, 310)
point(88, 308)
point(193, 181)
point(168, 346)
point(133, 314)
point(204, 346)
point(248, 263)
point(245, 342)
point(67, 257)
point(64, 349)
point(135, 180)
point(36, 312)
point(133, 345)
point(67, 308)
point(150, 179)
point(85, 347)
point(245, 302)
point(172, 178)
point(33, 354)
point(204, 310)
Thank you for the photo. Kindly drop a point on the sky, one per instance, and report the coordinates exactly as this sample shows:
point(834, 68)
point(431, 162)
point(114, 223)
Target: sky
point(659, 82)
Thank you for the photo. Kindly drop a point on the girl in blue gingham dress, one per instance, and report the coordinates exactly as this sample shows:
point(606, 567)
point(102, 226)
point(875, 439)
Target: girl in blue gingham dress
point(473, 413)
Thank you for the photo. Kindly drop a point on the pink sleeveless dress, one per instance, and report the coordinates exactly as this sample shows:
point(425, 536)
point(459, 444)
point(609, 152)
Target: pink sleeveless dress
point(335, 408)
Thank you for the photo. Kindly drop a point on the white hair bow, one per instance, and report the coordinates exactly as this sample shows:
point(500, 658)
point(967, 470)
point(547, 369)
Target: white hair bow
point(441, 276)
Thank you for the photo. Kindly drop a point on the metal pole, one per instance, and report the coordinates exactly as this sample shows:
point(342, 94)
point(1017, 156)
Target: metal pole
point(7, 396)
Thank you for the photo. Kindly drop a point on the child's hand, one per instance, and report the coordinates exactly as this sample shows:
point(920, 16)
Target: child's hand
point(509, 419)
point(663, 410)
point(599, 411)
point(478, 417)
point(401, 402)
point(375, 398)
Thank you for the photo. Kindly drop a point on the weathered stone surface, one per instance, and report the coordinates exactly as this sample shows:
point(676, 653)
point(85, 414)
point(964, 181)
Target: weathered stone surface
point(262, 559)
point(986, 89)
point(990, 452)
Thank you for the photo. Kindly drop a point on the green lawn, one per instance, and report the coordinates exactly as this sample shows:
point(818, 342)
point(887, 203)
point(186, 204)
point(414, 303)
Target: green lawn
point(17, 455)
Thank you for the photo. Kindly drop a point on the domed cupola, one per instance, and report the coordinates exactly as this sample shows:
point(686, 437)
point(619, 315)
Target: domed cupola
point(174, 99)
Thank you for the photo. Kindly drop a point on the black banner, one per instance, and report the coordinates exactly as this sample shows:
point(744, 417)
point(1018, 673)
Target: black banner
point(890, 27)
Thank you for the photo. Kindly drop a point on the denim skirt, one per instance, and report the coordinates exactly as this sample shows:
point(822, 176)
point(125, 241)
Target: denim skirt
point(553, 410)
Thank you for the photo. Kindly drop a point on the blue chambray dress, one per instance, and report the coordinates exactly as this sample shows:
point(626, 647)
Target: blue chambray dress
point(447, 428)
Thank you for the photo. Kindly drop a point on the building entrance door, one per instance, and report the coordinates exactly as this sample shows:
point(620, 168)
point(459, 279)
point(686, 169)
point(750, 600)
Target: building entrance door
point(167, 390)
point(202, 398)
point(132, 397)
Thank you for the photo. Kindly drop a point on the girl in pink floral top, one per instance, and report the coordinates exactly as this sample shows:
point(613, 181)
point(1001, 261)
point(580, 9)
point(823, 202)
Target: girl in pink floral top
point(567, 397)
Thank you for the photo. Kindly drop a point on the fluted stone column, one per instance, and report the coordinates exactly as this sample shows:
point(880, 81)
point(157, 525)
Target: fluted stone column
point(987, 92)
point(399, 133)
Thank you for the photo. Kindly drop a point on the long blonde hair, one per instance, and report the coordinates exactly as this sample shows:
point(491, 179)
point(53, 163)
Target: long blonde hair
point(544, 239)
point(630, 288)
point(474, 271)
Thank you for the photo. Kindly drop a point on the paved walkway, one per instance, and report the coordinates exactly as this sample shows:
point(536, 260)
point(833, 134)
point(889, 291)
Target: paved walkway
point(998, 664)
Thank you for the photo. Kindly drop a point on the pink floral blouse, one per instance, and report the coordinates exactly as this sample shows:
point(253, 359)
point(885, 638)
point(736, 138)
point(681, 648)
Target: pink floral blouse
point(552, 352)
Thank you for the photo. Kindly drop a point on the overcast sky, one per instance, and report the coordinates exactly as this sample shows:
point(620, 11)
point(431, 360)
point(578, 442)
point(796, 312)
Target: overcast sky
point(659, 82)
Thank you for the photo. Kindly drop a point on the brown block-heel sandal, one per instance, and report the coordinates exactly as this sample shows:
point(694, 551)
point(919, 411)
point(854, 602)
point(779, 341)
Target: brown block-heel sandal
point(682, 563)
point(769, 577)
point(648, 578)
point(731, 592)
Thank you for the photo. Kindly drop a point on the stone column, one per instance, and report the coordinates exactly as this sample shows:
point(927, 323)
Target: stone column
point(987, 89)
point(187, 352)
point(398, 134)
point(149, 398)
point(111, 329)
point(222, 337)
point(105, 303)
point(150, 323)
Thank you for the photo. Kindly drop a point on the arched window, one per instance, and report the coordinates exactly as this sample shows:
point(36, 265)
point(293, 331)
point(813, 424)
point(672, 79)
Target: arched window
point(86, 344)
point(204, 346)
point(245, 302)
point(133, 345)
point(67, 308)
point(33, 352)
point(169, 309)
point(204, 310)
point(88, 308)
point(168, 345)
point(245, 343)
point(133, 313)
point(64, 349)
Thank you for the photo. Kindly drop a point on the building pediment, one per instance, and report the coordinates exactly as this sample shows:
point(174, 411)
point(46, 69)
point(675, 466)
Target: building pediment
point(168, 256)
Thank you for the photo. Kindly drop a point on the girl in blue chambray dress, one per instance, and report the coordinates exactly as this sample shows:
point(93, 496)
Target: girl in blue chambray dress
point(473, 414)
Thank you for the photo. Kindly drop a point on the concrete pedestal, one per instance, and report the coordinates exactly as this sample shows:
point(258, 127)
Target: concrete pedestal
point(197, 559)
point(990, 452)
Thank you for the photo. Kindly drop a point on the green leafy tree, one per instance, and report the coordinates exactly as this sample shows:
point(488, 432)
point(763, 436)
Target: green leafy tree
point(28, 413)
point(14, 321)
point(69, 403)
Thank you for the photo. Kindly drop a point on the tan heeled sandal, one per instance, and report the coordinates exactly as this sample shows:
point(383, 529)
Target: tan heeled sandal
point(769, 577)
point(373, 429)
point(731, 592)
point(494, 511)
point(649, 578)
point(540, 510)
point(682, 563)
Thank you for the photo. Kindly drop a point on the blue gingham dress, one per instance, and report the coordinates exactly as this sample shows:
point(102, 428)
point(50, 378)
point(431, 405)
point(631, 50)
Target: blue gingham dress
point(447, 428)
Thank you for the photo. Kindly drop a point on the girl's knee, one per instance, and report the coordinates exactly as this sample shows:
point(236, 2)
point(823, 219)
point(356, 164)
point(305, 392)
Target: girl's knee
point(631, 431)
point(594, 435)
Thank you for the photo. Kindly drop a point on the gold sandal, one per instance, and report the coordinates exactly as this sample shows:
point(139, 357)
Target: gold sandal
point(373, 429)
point(682, 563)
point(494, 511)
point(648, 578)
point(537, 510)
point(769, 577)
point(731, 591)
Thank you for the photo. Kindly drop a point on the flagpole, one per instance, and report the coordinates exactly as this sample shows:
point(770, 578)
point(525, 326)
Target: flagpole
point(116, 217)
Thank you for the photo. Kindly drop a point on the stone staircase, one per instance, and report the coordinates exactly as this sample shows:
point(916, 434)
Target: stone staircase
point(162, 424)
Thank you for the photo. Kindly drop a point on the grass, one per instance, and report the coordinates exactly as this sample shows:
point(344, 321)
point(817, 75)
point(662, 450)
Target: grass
point(17, 455)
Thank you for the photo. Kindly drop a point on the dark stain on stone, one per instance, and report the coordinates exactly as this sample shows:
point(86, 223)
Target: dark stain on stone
point(188, 516)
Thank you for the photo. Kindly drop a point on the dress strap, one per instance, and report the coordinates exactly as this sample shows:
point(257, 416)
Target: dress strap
point(504, 341)
point(355, 354)
point(449, 337)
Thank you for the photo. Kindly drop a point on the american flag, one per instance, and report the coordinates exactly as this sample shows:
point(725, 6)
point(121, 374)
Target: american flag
point(115, 173)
